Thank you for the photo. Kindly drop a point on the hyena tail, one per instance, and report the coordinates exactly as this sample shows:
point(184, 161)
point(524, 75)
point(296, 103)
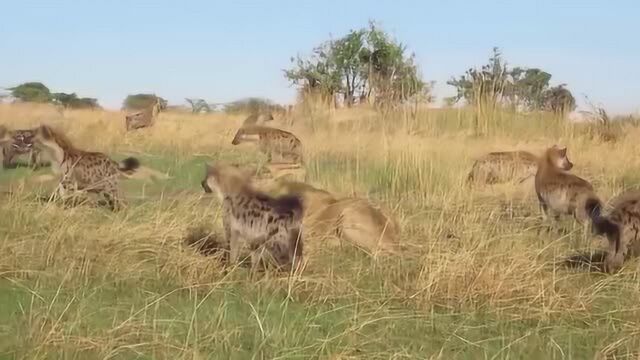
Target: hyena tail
point(593, 208)
point(129, 165)
point(601, 225)
point(290, 203)
point(131, 168)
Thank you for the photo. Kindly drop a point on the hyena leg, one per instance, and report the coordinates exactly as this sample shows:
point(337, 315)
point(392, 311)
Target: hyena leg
point(546, 213)
point(227, 245)
point(259, 255)
point(66, 192)
point(236, 244)
point(7, 159)
point(283, 250)
point(113, 199)
point(543, 207)
point(34, 160)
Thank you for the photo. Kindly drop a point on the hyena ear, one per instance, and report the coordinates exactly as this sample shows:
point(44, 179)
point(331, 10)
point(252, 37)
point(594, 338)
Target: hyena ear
point(563, 151)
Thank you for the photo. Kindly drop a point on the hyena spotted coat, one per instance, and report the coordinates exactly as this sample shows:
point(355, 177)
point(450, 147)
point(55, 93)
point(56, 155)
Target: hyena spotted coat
point(280, 146)
point(269, 229)
point(81, 170)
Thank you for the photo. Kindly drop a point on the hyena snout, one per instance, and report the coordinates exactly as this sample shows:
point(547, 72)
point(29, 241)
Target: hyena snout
point(568, 165)
point(237, 138)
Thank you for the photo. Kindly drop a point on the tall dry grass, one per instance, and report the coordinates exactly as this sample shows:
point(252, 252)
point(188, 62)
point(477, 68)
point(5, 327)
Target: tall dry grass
point(477, 278)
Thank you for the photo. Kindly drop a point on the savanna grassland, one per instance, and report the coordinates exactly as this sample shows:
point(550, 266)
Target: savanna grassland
point(476, 280)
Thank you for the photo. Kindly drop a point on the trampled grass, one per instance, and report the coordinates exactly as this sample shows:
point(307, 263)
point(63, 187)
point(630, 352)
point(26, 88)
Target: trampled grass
point(477, 279)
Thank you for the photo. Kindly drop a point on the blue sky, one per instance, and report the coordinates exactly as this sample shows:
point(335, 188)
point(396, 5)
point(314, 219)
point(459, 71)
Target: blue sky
point(223, 51)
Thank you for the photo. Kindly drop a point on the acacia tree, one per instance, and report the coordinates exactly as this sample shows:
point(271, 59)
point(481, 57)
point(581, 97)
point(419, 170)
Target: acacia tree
point(252, 105)
point(31, 92)
point(38, 92)
point(496, 84)
point(72, 101)
point(142, 101)
point(317, 74)
point(198, 105)
point(362, 63)
point(559, 100)
point(485, 86)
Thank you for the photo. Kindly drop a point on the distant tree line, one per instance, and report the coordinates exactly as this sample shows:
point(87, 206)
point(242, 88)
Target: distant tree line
point(495, 83)
point(367, 66)
point(39, 93)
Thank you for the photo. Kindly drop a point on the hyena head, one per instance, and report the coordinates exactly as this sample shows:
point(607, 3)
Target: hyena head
point(22, 140)
point(557, 156)
point(245, 134)
point(225, 179)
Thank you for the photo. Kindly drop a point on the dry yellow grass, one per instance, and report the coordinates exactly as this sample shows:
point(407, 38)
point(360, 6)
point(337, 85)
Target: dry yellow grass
point(476, 281)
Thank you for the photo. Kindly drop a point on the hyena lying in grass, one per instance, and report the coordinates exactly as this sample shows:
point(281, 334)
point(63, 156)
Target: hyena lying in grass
point(269, 229)
point(502, 167)
point(357, 221)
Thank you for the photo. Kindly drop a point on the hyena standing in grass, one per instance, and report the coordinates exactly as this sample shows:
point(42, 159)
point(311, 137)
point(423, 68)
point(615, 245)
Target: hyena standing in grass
point(144, 118)
point(501, 167)
point(562, 193)
point(80, 170)
point(280, 146)
point(268, 228)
